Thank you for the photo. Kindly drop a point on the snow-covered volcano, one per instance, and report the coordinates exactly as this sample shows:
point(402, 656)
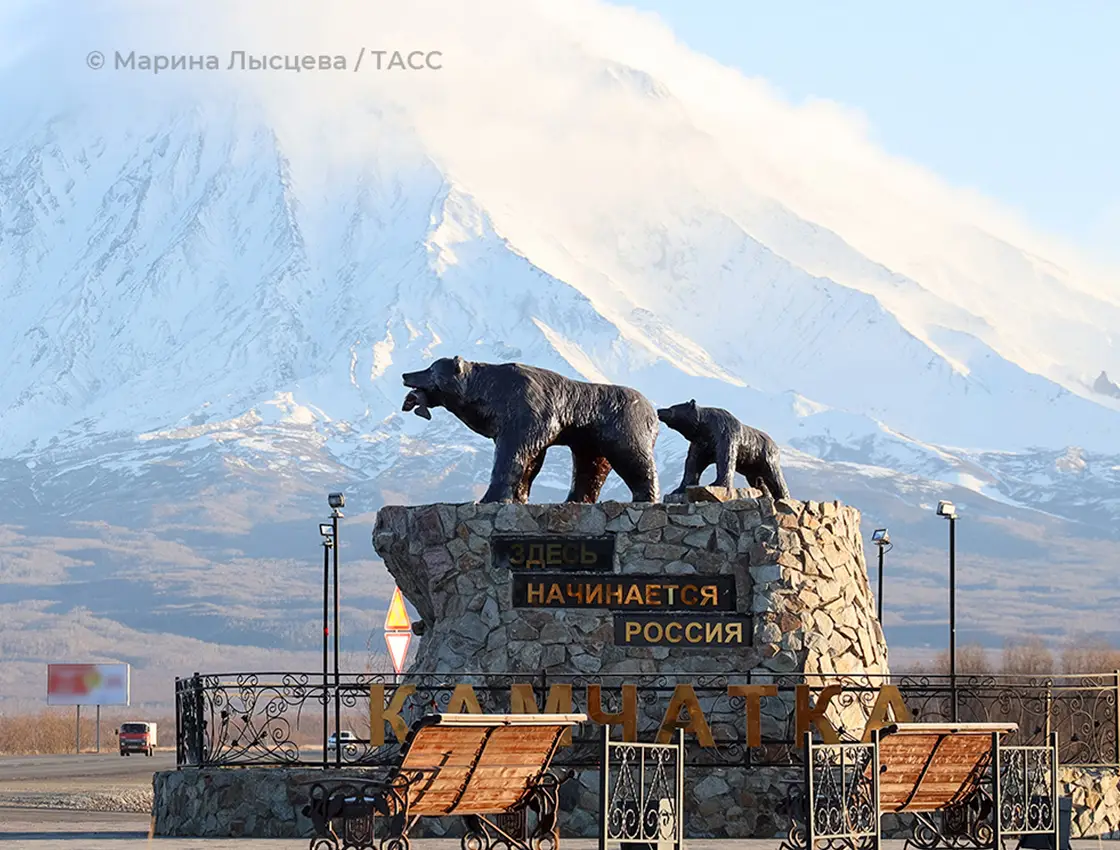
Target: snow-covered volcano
point(211, 275)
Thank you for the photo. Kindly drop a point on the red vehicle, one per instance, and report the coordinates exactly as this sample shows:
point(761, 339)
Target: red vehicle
point(137, 737)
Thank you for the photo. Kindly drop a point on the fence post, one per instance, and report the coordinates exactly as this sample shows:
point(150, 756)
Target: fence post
point(810, 833)
point(1116, 705)
point(604, 785)
point(997, 793)
point(1049, 725)
point(199, 722)
point(178, 725)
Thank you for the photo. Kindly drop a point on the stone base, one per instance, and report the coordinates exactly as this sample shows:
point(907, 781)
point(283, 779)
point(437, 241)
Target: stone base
point(732, 803)
point(798, 571)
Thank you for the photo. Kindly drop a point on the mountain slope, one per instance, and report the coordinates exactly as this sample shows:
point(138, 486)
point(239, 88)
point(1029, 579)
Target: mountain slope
point(211, 283)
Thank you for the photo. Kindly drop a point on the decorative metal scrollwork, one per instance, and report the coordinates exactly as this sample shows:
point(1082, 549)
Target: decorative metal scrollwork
point(276, 718)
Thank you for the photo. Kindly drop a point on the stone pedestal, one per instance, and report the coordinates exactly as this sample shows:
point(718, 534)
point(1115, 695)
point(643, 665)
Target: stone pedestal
point(790, 574)
point(797, 568)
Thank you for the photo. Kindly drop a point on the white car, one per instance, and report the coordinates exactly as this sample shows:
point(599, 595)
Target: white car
point(344, 737)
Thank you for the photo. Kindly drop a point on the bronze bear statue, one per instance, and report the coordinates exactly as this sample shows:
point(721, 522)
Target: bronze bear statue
point(716, 436)
point(525, 410)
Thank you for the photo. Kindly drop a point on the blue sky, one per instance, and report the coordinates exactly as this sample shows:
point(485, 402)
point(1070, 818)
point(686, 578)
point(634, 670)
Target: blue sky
point(1019, 100)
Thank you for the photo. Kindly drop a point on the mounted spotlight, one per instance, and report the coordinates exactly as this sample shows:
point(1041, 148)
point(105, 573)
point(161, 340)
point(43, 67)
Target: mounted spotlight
point(326, 529)
point(336, 500)
point(881, 538)
point(947, 510)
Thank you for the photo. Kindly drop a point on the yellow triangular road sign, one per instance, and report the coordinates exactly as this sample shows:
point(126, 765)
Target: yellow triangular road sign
point(397, 618)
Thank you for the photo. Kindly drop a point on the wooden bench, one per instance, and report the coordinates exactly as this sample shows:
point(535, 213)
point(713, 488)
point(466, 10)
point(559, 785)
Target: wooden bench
point(490, 769)
point(980, 789)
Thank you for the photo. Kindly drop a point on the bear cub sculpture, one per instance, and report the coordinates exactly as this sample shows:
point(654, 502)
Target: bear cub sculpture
point(525, 410)
point(716, 436)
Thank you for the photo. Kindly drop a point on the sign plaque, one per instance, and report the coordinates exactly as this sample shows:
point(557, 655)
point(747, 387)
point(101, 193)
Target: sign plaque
point(576, 554)
point(624, 592)
point(685, 630)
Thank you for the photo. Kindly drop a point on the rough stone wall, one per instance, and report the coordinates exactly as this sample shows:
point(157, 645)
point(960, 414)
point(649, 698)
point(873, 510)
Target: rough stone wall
point(739, 803)
point(238, 802)
point(798, 567)
point(268, 803)
point(1095, 795)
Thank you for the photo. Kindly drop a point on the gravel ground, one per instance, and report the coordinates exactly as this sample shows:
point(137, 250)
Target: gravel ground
point(137, 800)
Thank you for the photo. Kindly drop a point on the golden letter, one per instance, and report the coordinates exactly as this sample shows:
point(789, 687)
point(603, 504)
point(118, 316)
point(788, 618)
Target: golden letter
point(628, 717)
point(806, 716)
point(752, 697)
point(380, 713)
point(888, 697)
point(463, 701)
point(685, 697)
point(535, 558)
point(523, 700)
point(709, 595)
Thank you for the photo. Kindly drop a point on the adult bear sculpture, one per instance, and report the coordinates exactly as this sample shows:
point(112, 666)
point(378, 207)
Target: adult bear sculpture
point(525, 410)
point(716, 436)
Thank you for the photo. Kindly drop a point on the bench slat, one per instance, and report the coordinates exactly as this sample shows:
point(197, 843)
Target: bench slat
point(478, 763)
point(954, 753)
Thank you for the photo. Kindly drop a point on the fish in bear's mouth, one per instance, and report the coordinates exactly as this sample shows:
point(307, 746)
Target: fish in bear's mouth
point(418, 400)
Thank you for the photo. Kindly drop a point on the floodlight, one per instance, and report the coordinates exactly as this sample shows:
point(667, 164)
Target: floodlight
point(336, 500)
point(947, 510)
point(880, 537)
point(326, 529)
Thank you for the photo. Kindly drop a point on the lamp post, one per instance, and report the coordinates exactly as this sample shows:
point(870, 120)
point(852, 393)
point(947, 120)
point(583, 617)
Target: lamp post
point(949, 511)
point(326, 530)
point(336, 501)
point(881, 538)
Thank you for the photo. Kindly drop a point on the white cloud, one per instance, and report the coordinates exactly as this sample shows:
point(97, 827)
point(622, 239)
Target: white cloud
point(580, 123)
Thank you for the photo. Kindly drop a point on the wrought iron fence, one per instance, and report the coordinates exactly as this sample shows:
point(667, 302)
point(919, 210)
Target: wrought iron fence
point(231, 719)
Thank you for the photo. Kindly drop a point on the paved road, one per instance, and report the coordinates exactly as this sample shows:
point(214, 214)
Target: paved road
point(79, 770)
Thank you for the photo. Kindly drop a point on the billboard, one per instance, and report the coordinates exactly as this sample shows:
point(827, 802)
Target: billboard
point(87, 684)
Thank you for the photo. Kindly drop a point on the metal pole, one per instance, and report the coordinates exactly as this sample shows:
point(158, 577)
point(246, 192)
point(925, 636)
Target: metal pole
point(877, 841)
point(326, 644)
point(880, 600)
point(1116, 703)
point(997, 795)
point(810, 831)
point(78, 732)
point(1055, 806)
point(604, 786)
point(99, 727)
point(953, 614)
point(337, 698)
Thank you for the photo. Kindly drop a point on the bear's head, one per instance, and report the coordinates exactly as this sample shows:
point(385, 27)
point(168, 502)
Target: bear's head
point(444, 380)
point(684, 418)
